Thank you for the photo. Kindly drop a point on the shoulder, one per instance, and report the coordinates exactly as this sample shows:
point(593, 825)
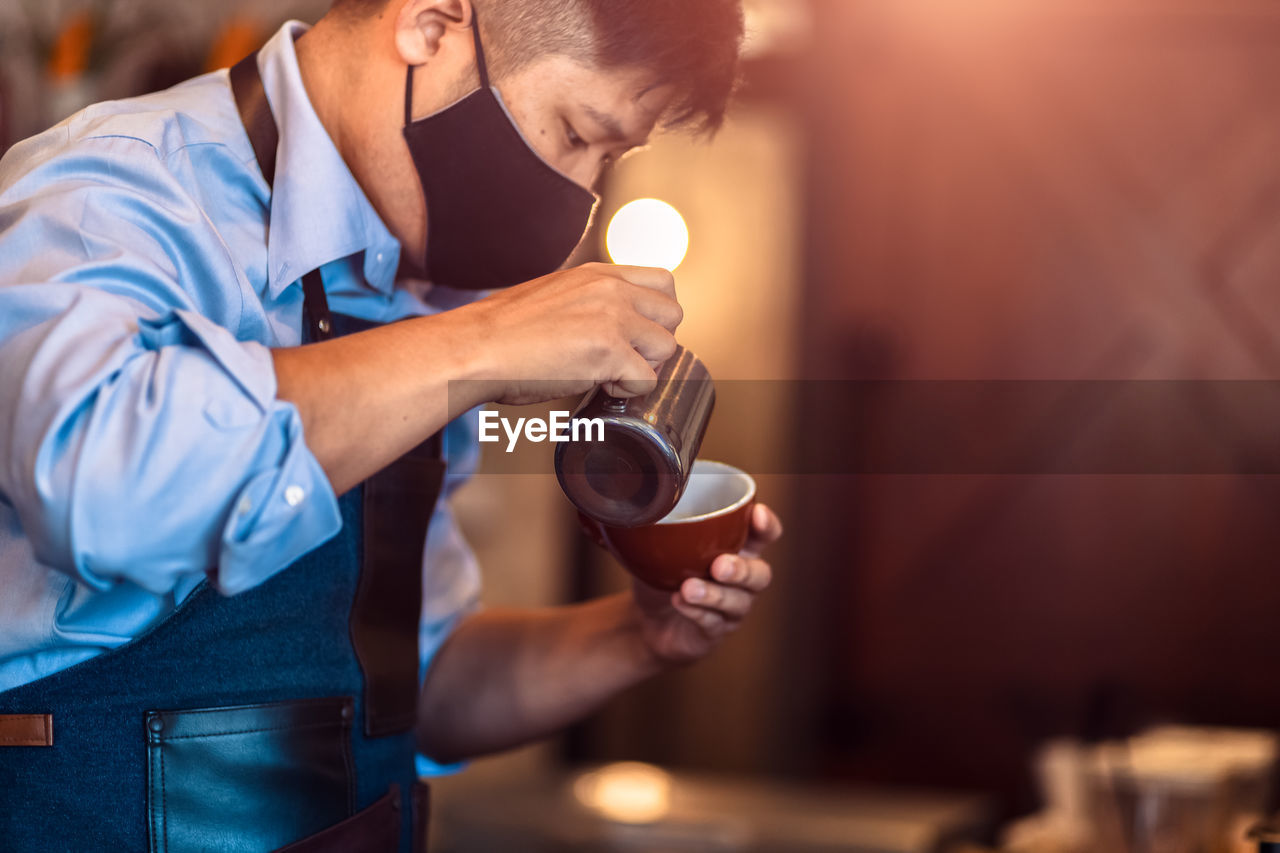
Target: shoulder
point(181, 130)
point(200, 111)
point(133, 193)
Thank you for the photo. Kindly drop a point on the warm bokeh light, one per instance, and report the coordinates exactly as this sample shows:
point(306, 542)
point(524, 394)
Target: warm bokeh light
point(626, 792)
point(648, 233)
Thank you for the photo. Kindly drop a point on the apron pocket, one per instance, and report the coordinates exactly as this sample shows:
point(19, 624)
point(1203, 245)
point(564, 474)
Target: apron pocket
point(374, 830)
point(248, 779)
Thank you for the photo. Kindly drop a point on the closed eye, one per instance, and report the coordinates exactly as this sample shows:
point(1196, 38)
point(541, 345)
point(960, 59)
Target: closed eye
point(572, 137)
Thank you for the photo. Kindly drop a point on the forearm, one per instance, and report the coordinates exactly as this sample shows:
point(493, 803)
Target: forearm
point(168, 418)
point(507, 677)
point(366, 399)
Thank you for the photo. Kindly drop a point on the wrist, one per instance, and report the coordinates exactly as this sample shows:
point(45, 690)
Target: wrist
point(640, 650)
point(474, 370)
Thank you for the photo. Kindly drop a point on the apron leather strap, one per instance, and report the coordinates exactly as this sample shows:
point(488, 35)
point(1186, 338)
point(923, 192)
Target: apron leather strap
point(397, 501)
point(264, 135)
point(255, 114)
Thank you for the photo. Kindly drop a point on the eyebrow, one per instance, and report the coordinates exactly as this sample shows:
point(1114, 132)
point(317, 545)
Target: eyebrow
point(612, 127)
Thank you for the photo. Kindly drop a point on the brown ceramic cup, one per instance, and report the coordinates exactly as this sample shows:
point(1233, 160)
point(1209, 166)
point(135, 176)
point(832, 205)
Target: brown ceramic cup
point(712, 518)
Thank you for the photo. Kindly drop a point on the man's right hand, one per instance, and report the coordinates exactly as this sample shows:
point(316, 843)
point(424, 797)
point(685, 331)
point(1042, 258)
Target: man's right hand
point(567, 332)
point(367, 398)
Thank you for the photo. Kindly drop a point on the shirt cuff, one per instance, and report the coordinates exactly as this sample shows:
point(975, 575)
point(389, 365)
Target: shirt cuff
point(428, 768)
point(285, 513)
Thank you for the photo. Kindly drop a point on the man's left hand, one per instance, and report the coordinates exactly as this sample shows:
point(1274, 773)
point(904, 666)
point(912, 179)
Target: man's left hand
point(683, 626)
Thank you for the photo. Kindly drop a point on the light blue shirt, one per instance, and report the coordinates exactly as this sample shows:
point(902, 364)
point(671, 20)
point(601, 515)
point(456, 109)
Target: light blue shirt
point(142, 284)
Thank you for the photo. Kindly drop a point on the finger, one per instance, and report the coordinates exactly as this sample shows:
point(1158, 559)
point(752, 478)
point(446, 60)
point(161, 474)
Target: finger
point(766, 528)
point(654, 278)
point(635, 378)
point(658, 307)
point(651, 341)
point(749, 573)
point(712, 623)
point(731, 602)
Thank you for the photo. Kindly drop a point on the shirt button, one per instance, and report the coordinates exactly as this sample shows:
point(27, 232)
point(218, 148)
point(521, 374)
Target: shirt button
point(378, 257)
point(294, 495)
point(244, 507)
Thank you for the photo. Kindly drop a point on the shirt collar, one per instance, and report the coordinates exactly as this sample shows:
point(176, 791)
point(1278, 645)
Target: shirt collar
point(319, 213)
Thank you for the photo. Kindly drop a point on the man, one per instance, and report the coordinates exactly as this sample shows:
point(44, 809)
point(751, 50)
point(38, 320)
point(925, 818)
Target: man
point(216, 452)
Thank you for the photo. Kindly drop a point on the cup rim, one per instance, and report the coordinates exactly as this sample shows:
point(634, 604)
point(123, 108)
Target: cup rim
point(738, 504)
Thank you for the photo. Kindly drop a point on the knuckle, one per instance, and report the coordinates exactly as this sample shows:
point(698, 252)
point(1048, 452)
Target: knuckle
point(610, 320)
point(596, 276)
point(607, 292)
point(621, 333)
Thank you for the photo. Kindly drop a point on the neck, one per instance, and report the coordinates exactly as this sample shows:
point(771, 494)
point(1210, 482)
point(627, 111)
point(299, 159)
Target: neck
point(351, 87)
point(327, 81)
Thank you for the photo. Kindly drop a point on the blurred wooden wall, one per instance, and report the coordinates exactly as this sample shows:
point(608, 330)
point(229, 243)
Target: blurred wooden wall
point(1034, 189)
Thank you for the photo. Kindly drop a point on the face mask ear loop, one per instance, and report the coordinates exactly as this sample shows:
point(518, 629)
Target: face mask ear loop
point(481, 65)
point(408, 98)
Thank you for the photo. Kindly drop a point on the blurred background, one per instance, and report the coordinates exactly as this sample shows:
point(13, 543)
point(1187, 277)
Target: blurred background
point(908, 190)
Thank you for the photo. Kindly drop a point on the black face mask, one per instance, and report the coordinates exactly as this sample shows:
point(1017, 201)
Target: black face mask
point(498, 214)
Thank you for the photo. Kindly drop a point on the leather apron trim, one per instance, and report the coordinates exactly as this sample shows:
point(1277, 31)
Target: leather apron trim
point(26, 730)
point(373, 830)
point(275, 771)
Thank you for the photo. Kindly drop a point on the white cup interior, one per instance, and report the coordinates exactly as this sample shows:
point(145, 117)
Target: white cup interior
point(714, 489)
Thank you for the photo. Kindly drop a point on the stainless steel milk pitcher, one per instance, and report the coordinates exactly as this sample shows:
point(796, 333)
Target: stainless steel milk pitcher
point(629, 461)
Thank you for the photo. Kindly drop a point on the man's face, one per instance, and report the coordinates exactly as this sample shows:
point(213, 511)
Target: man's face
point(580, 119)
point(576, 117)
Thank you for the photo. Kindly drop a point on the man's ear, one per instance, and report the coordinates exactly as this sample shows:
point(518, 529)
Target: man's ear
point(421, 24)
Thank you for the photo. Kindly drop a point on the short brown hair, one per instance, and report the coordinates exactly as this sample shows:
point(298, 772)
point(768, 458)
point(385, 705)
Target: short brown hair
point(691, 45)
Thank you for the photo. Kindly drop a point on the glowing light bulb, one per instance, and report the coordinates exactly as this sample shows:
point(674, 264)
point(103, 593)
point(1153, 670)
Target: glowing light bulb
point(648, 233)
point(626, 792)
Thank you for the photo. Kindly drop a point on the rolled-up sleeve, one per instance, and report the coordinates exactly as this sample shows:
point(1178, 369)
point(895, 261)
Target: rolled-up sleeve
point(139, 440)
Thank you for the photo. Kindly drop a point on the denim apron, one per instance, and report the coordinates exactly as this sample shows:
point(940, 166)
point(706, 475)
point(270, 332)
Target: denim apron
point(280, 718)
